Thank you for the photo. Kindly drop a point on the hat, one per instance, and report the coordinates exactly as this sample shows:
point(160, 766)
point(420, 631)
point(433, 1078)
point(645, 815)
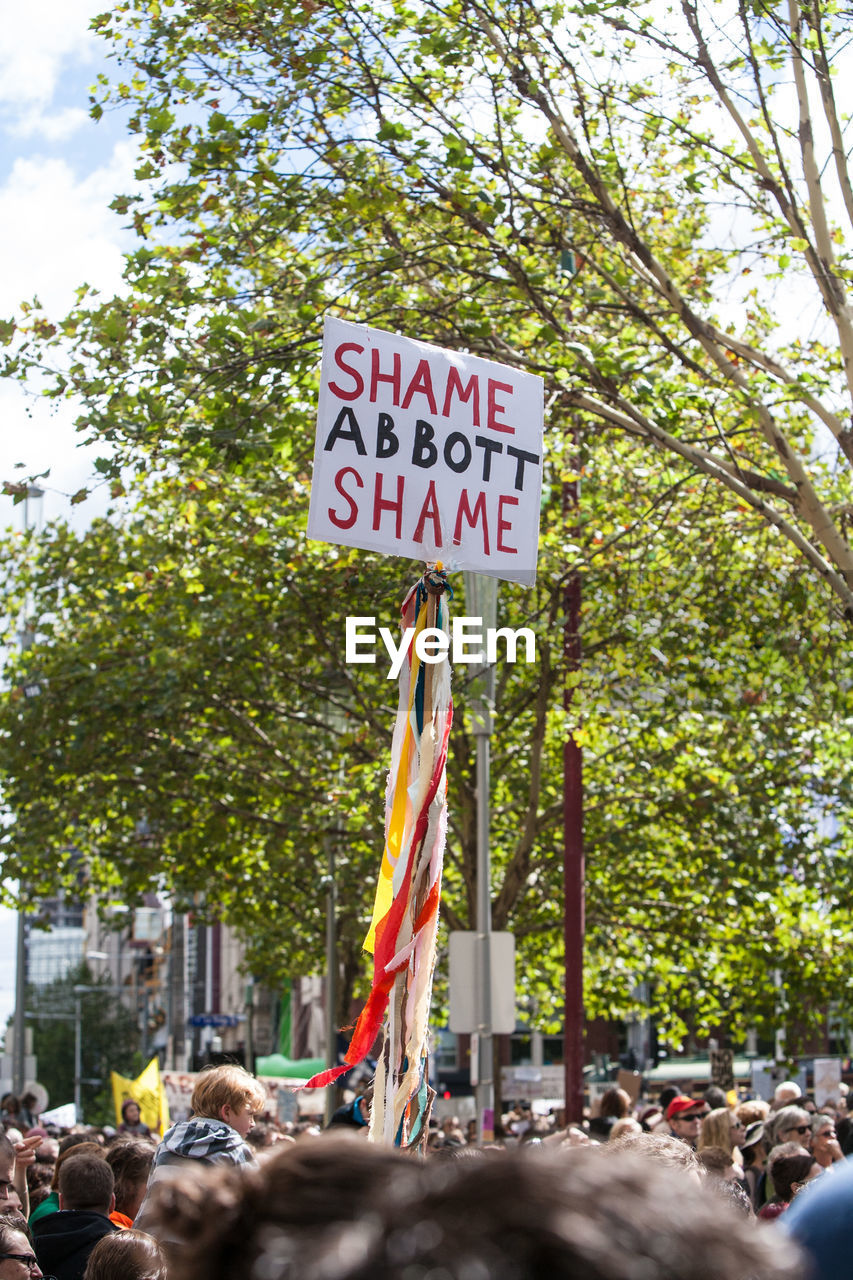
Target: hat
point(754, 1133)
point(682, 1103)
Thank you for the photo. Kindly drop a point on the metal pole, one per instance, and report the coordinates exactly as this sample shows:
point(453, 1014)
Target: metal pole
point(573, 851)
point(19, 1047)
point(481, 596)
point(78, 1059)
point(145, 1012)
point(19, 1025)
point(250, 1025)
point(485, 1088)
point(331, 973)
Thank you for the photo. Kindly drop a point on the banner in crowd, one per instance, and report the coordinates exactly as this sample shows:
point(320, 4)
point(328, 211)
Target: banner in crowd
point(148, 1094)
point(427, 453)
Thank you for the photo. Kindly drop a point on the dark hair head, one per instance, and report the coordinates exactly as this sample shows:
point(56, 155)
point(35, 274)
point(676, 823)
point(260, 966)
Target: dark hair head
point(788, 1167)
point(614, 1102)
point(86, 1182)
point(73, 1140)
point(81, 1146)
point(129, 1102)
point(130, 1255)
point(715, 1097)
point(130, 1162)
point(357, 1212)
point(667, 1093)
point(715, 1159)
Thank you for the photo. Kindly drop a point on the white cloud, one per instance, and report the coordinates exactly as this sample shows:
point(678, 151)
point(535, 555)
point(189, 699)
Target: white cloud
point(58, 234)
point(58, 231)
point(55, 126)
point(36, 40)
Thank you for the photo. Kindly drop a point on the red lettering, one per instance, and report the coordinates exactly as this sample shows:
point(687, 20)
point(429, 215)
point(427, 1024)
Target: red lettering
point(376, 377)
point(495, 408)
point(421, 384)
point(381, 504)
point(505, 524)
point(429, 511)
point(471, 516)
point(471, 390)
point(347, 368)
point(346, 522)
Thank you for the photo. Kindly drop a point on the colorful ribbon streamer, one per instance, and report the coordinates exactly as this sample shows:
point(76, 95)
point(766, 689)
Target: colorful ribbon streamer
point(402, 934)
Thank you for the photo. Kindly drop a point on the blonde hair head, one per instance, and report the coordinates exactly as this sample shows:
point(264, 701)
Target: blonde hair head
point(227, 1085)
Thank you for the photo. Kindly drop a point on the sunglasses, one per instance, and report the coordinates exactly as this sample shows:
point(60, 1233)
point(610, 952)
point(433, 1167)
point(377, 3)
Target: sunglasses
point(799, 1128)
point(28, 1260)
point(700, 1115)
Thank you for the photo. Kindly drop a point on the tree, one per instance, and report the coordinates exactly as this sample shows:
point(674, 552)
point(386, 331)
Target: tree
point(109, 1041)
point(419, 169)
point(195, 729)
point(431, 168)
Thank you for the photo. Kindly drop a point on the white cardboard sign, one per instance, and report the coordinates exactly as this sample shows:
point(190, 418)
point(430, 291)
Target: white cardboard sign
point(427, 453)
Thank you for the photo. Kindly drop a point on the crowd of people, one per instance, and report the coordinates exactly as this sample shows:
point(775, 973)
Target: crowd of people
point(683, 1188)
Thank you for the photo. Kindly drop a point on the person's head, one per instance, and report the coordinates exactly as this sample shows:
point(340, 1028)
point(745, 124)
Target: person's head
point(786, 1093)
point(752, 1110)
point(717, 1163)
point(667, 1093)
point(17, 1256)
point(130, 1112)
point(684, 1116)
point(10, 1104)
point(8, 1195)
point(131, 1163)
point(714, 1097)
point(614, 1102)
point(754, 1146)
point(650, 1118)
point(126, 1255)
point(86, 1183)
point(825, 1140)
point(228, 1093)
point(790, 1170)
point(720, 1128)
point(662, 1148)
point(368, 1213)
point(626, 1124)
point(75, 1148)
point(793, 1124)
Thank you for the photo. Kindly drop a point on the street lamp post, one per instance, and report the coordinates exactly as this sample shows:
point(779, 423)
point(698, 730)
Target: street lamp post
point(25, 637)
point(78, 1054)
point(81, 989)
point(481, 601)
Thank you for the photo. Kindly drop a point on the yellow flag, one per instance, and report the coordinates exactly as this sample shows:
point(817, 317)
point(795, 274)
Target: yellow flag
point(147, 1092)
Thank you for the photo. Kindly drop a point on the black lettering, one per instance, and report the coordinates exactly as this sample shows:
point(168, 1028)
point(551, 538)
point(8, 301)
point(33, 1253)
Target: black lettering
point(522, 457)
point(465, 461)
point(424, 453)
point(338, 433)
point(489, 447)
point(387, 443)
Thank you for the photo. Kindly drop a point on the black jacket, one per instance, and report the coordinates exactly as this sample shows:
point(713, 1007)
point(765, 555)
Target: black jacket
point(64, 1240)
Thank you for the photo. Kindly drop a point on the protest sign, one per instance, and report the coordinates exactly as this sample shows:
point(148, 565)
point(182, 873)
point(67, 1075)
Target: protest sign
point(427, 453)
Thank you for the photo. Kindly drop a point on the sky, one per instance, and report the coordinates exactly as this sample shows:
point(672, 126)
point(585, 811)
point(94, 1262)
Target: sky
point(59, 170)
